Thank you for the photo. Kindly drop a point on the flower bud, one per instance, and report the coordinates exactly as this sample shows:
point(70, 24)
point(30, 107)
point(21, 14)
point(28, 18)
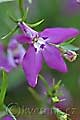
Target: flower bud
point(70, 55)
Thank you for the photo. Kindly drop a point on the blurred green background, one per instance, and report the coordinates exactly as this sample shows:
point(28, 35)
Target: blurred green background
point(57, 13)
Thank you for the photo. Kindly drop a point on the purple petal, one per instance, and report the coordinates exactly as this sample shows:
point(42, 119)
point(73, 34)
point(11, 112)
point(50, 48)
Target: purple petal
point(54, 59)
point(32, 63)
point(59, 35)
point(23, 39)
point(4, 63)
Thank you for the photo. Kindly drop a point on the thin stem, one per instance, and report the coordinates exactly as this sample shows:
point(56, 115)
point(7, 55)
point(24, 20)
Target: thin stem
point(3, 88)
point(44, 81)
point(10, 33)
point(21, 8)
point(24, 18)
point(35, 95)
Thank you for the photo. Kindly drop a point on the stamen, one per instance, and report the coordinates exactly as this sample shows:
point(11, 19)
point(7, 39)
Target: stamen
point(38, 43)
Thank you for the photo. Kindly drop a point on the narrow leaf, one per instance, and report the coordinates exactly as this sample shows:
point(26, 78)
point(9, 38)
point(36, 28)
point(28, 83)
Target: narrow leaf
point(35, 94)
point(57, 86)
point(24, 18)
point(10, 33)
point(3, 88)
point(68, 42)
point(70, 47)
point(36, 24)
point(44, 81)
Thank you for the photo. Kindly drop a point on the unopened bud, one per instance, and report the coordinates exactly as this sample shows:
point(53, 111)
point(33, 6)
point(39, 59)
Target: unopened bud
point(70, 55)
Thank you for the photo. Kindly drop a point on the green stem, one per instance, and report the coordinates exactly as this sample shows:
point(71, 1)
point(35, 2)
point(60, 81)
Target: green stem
point(44, 81)
point(21, 8)
point(36, 96)
point(3, 88)
point(24, 18)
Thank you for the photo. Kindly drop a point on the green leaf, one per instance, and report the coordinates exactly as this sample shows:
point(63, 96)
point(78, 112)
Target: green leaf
point(52, 91)
point(24, 18)
point(10, 33)
point(44, 81)
point(58, 85)
point(70, 47)
point(36, 24)
point(3, 88)
point(68, 42)
point(35, 94)
point(6, 1)
point(21, 7)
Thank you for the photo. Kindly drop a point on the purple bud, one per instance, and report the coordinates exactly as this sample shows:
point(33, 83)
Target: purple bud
point(70, 55)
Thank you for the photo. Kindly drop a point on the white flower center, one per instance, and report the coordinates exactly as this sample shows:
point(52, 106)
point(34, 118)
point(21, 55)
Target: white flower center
point(39, 43)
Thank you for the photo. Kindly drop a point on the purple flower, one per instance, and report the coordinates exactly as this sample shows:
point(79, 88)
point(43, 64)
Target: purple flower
point(43, 45)
point(4, 63)
point(15, 53)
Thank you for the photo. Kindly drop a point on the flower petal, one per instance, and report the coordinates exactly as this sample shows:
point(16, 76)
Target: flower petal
point(59, 35)
point(32, 63)
point(54, 59)
point(4, 63)
point(15, 53)
point(23, 39)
